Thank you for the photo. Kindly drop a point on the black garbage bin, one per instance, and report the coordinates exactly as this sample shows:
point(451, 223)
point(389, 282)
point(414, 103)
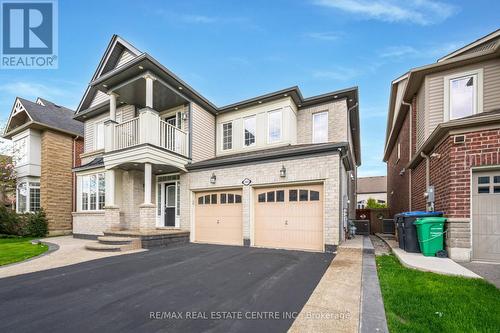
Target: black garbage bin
point(407, 232)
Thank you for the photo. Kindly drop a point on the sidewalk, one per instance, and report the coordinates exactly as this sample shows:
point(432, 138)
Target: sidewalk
point(71, 251)
point(427, 264)
point(340, 301)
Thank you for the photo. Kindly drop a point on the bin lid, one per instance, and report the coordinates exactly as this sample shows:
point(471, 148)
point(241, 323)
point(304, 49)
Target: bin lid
point(431, 219)
point(422, 214)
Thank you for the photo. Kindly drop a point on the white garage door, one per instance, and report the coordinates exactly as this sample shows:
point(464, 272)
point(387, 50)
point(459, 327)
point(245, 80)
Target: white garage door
point(289, 217)
point(218, 217)
point(486, 216)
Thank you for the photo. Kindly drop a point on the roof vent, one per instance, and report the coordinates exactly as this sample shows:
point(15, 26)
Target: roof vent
point(459, 139)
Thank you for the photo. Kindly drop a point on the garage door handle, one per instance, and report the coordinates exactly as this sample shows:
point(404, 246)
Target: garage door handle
point(217, 221)
point(286, 222)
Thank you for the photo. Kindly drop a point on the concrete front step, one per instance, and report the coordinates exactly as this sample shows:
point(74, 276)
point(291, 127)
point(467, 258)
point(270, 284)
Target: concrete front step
point(114, 244)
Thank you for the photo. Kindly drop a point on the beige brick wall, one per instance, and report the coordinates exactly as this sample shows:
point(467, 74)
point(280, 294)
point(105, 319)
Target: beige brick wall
point(56, 181)
point(337, 122)
point(318, 168)
point(89, 223)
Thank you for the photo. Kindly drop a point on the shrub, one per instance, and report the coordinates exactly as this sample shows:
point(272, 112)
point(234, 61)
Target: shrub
point(28, 224)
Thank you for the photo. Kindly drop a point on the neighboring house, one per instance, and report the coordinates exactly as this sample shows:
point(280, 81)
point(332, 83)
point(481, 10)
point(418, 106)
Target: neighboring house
point(371, 187)
point(443, 146)
point(45, 139)
point(276, 170)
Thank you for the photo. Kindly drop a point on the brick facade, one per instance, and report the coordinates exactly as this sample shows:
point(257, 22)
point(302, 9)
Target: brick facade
point(398, 181)
point(56, 181)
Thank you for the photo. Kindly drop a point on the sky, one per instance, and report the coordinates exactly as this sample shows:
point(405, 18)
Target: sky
point(233, 50)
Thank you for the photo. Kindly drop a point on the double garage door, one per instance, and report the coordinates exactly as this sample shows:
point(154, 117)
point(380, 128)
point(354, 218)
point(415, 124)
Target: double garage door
point(284, 217)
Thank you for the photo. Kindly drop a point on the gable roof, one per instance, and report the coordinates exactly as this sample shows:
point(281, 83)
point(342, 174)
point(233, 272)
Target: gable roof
point(470, 54)
point(43, 113)
point(371, 184)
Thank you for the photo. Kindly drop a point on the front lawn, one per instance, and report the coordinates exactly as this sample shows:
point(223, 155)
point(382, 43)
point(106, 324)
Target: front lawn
point(418, 301)
point(19, 249)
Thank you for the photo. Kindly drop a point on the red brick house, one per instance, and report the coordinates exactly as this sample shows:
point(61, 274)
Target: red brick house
point(443, 146)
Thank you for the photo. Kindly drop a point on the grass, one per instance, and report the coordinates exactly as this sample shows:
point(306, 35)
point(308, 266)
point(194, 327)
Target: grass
point(418, 301)
point(19, 249)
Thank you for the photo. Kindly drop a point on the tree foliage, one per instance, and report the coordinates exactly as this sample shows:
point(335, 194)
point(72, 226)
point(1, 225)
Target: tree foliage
point(372, 203)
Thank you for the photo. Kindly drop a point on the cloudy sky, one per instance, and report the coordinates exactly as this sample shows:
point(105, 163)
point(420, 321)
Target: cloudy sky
point(232, 50)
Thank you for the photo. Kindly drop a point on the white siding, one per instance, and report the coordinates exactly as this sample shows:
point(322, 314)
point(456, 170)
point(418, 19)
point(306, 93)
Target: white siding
point(421, 118)
point(125, 57)
point(99, 98)
point(203, 135)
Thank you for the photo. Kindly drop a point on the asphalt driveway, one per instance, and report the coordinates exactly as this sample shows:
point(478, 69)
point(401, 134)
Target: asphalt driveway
point(190, 288)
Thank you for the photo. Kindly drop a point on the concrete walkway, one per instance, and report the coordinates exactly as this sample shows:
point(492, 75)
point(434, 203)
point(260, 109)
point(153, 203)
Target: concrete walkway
point(71, 251)
point(336, 303)
point(418, 261)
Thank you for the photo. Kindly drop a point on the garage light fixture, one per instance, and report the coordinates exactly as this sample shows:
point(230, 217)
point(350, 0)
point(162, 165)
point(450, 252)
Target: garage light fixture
point(283, 171)
point(213, 179)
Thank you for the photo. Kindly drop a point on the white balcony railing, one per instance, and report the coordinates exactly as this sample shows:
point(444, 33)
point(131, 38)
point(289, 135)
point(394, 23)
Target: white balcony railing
point(172, 138)
point(127, 134)
point(151, 130)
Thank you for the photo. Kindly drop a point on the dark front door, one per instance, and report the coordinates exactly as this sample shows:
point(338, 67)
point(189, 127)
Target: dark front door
point(169, 205)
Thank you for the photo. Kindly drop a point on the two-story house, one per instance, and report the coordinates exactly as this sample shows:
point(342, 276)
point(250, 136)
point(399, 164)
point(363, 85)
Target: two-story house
point(443, 146)
point(46, 139)
point(276, 170)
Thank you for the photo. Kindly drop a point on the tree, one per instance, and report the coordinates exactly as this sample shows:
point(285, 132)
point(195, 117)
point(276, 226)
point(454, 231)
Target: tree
point(372, 203)
point(7, 170)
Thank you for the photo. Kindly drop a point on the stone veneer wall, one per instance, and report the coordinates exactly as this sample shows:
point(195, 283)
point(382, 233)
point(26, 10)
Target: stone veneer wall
point(324, 168)
point(56, 181)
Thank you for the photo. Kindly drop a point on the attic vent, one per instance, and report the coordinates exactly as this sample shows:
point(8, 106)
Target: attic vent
point(459, 139)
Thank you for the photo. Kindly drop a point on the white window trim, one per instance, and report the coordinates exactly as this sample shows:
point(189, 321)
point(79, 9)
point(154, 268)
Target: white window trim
point(313, 132)
point(255, 142)
point(79, 191)
point(28, 195)
point(479, 91)
point(222, 135)
point(161, 217)
point(269, 127)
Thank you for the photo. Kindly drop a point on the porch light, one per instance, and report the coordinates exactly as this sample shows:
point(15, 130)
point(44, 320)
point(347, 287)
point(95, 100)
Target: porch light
point(180, 88)
point(140, 67)
point(213, 179)
point(184, 116)
point(283, 171)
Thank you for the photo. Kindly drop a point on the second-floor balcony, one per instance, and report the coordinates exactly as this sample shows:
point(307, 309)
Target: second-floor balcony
point(150, 129)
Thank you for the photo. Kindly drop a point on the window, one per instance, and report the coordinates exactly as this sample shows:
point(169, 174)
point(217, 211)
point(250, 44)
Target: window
point(28, 197)
point(237, 198)
point(21, 151)
point(207, 199)
point(463, 94)
point(223, 198)
point(230, 198)
point(483, 180)
point(214, 198)
point(200, 200)
point(280, 196)
point(99, 136)
point(399, 152)
point(303, 195)
point(262, 197)
point(227, 136)
point(92, 192)
point(483, 189)
point(250, 129)
point(292, 195)
point(274, 126)
point(320, 127)
point(270, 196)
point(314, 196)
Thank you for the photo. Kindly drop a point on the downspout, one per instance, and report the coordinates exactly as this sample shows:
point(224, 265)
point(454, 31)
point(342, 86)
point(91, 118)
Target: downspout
point(427, 169)
point(410, 151)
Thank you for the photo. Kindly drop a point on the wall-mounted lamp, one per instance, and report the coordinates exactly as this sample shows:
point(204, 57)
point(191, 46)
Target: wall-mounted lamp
point(283, 171)
point(213, 178)
point(184, 116)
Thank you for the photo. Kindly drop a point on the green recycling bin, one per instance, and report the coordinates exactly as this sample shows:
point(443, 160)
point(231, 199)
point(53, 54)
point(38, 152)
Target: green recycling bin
point(430, 234)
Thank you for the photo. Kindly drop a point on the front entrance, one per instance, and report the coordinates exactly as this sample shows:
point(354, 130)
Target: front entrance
point(167, 207)
point(486, 216)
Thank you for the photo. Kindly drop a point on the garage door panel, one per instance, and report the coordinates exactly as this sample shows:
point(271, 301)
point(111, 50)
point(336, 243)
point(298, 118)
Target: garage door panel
point(485, 194)
point(217, 219)
point(291, 223)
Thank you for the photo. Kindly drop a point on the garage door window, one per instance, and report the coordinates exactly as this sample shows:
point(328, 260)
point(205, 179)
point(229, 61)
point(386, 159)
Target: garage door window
point(280, 196)
point(270, 196)
point(292, 195)
point(225, 198)
point(303, 195)
point(314, 196)
point(262, 197)
point(214, 199)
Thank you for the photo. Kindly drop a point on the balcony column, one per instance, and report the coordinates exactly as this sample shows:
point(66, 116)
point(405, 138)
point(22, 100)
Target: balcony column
point(109, 140)
point(149, 90)
point(147, 210)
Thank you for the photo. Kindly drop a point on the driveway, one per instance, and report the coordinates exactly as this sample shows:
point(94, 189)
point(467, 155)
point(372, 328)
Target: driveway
point(157, 290)
point(489, 271)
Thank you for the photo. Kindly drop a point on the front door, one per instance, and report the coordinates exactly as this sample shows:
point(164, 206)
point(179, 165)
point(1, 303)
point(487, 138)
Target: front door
point(169, 205)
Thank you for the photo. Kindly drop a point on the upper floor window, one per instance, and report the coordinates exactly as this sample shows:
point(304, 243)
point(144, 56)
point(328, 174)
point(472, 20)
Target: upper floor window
point(21, 151)
point(320, 127)
point(250, 129)
point(227, 136)
point(99, 135)
point(275, 119)
point(463, 93)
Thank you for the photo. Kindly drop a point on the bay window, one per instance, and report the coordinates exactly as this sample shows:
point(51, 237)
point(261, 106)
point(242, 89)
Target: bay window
point(28, 197)
point(92, 192)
